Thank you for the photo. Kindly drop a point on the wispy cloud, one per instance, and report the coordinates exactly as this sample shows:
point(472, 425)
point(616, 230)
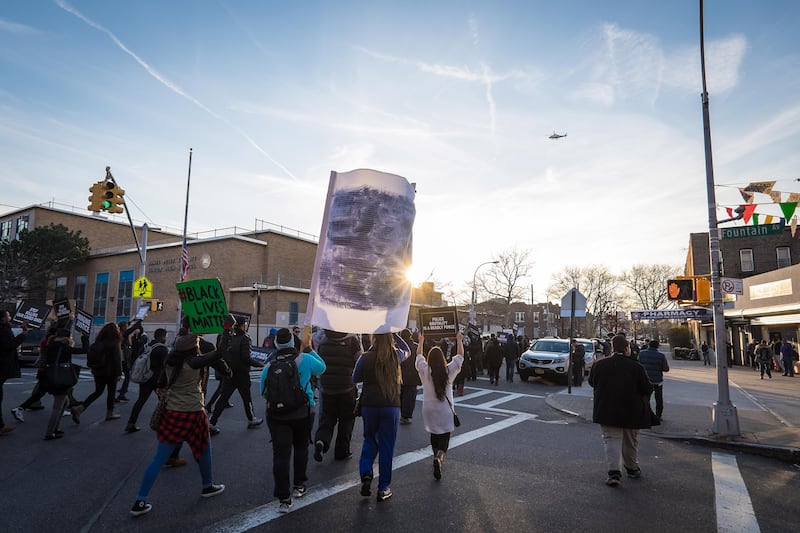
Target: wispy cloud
point(170, 85)
point(473, 29)
point(780, 127)
point(16, 27)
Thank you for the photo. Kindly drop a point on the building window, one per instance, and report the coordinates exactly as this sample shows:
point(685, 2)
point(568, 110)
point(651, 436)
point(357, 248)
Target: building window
point(294, 312)
point(80, 292)
point(61, 288)
point(535, 317)
point(22, 224)
point(784, 256)
point(519, 316)
point(5, 230)
point(124, 295)
point(100, 298)
point(746, 259)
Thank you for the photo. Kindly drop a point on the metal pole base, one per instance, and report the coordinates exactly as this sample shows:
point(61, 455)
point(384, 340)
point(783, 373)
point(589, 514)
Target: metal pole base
point(725, 420)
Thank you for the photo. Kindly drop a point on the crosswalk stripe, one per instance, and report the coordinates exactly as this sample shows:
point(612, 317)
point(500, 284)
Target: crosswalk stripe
point(733, 505)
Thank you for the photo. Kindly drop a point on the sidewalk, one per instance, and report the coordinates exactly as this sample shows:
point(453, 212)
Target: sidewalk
point(689, 393)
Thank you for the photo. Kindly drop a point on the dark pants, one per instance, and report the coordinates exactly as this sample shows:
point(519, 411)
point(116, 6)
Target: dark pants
point(123, 390)
point(658, 392)
point(288, 435)
point(145, 390)
point(766, 366)
point(214, 397)
point(440, 441)
point(108, 383)
point(510, 364)
point(494, 370)
point(408, 400)
point(472, 369)
point(2, 382)
point(337, 409)
point(577, 374)
point(39, 392)
point(240, 382)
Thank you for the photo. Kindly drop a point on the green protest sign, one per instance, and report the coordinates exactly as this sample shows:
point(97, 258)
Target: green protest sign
point(203, 302)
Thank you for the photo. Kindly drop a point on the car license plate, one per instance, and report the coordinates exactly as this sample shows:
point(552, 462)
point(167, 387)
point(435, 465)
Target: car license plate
point(538, 371)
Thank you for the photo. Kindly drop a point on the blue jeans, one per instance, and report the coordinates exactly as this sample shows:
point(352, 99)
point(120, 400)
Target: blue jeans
point(510, 364)
point(380, 434)
point(162, 454)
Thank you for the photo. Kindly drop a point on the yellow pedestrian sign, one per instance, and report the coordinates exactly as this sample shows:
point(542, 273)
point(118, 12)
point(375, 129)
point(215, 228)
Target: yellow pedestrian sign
point(142, 288)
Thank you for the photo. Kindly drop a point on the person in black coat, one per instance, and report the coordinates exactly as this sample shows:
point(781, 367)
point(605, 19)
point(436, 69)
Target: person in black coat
point(408, 390)
point(493, 357)
point(59, 350)
point(621, 407)
point(9, 362)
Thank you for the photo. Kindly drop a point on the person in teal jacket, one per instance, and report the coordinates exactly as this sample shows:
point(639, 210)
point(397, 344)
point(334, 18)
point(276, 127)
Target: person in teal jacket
point(290, 430)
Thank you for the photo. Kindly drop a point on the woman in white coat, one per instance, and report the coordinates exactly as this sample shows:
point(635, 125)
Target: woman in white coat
point(437, 378)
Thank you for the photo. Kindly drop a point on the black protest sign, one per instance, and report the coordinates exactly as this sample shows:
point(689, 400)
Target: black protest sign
point(203, 303)
point(34, 313)
point(83, 321)
point(439, 322)
point(62, 309)
point(241, 317)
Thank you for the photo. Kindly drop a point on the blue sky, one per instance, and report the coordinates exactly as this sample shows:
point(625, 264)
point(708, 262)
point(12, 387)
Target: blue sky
point(458, 97)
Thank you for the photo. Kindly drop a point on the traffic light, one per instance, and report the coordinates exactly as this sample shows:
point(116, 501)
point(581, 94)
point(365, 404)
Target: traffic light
point(96, 199)
point(112, 197)
point(703, 287)
point(680, 289)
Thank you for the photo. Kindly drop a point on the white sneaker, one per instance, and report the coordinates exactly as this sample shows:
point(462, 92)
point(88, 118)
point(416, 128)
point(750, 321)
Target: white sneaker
point(17, 414)
point(285, 506)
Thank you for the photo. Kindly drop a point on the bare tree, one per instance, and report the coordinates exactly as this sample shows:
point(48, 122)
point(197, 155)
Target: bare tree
point(507, 280)
point(596, 283)
point(648, 283)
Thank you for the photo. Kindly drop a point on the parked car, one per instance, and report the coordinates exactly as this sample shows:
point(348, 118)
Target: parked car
point(549, 357)
point(30, 348)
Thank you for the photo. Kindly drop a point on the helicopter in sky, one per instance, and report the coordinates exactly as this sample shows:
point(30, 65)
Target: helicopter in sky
point(557, 135)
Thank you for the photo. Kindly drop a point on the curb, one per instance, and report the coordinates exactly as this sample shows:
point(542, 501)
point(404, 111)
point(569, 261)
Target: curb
point(782, 453)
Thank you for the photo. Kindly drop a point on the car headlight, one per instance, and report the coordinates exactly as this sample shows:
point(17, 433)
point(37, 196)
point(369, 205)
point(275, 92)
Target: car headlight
point(560, 360)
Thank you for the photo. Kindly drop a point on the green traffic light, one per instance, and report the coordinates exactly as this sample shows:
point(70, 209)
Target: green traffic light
point(107, 204)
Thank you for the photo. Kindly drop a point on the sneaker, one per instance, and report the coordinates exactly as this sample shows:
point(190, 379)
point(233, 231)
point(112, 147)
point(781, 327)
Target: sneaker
point(17, 414)
point(213, 430)
point(178, 461)
point(140, 507)
point(53, 436)
point(212, 490)
point(634, 474)
point(437, 468)
point(285, 505)
point(298, 491)
point(76, 413)
point(384, 494)
point(613, 478)
point(366, 481)
point(121, 399)
point(319, 446)
point(132, 428)
point(405, 421)
point(254, 423)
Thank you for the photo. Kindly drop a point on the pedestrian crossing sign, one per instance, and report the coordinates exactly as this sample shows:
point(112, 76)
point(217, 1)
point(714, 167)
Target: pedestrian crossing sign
point(142, 288)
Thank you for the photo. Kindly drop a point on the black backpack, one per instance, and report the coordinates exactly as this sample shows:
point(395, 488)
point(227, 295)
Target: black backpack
point(285, 397)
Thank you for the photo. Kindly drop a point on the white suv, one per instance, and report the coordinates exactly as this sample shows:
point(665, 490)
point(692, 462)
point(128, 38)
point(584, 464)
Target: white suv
point(549, 357)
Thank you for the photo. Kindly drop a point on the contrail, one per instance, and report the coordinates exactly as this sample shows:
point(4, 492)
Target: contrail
point(170, 85)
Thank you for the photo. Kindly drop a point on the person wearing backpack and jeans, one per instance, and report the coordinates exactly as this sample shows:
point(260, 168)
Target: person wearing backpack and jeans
point(238, 359)
point(289, 417)
point(158, 354)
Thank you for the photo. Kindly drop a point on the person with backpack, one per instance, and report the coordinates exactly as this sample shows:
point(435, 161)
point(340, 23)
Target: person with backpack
point(105, 360)
point(285, 384)
point(238, 358)
point(184, 418)
point(146, 370)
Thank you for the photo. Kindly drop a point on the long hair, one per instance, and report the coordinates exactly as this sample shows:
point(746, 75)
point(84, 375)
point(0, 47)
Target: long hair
point(110, 332)
point(387, 365)
point(438, 366)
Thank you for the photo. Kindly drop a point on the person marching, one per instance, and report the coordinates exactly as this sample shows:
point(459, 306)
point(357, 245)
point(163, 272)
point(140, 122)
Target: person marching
point(408, 390)
point(59, 350)
point(285, 384)
point(9, 363)
point(437, 396)
point(105, 360)
point(158, 354)
point(379, 370)
point(184, 417)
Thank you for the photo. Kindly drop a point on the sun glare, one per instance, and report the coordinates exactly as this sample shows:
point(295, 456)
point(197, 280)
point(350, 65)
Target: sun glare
point(415, 275)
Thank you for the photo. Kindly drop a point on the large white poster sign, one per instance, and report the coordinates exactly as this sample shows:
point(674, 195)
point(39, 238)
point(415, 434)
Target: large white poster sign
point(360, 283)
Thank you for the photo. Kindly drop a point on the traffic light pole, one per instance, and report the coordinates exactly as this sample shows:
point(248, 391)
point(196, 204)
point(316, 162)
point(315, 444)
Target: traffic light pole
point(725, 420)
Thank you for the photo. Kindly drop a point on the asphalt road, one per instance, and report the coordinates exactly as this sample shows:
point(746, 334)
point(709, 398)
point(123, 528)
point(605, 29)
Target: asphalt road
point(514, 465)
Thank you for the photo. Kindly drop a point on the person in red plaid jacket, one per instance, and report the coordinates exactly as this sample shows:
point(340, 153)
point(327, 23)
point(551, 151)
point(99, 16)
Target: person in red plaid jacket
point(184, 418)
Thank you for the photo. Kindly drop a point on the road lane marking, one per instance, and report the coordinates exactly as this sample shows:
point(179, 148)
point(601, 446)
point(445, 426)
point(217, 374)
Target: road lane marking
point(733, 505)
point(268, 512)
point(762, 406)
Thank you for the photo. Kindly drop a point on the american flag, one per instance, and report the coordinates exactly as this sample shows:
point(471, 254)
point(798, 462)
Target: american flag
point(184, 262)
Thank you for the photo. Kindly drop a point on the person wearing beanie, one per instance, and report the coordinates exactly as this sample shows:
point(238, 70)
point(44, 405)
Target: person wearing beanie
point(238, 359)
point(290, 430)
point(655, 364)
point(184, 417)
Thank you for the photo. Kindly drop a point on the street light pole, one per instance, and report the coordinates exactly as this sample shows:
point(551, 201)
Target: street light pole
point(472, 303)
point(725, 420)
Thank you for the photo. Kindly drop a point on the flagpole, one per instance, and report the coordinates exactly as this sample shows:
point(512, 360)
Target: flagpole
point(184, 263)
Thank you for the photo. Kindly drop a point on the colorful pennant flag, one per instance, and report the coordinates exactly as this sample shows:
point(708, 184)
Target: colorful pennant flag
point(760, 186)
point(747, 196)
point(776, 196)
point(788, 209)
point(793, 197)
point(748, 212)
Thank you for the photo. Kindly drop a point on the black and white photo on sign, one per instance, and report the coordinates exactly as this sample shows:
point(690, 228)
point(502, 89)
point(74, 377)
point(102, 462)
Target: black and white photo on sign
point(32, 312)
point(364, 254)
